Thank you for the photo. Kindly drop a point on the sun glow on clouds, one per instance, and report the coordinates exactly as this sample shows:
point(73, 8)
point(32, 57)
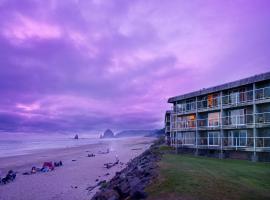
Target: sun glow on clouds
point(91, 65)
point(26, 28)
point(28, 107)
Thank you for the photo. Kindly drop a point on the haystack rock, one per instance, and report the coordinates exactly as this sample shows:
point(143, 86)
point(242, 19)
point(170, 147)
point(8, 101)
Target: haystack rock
point(76, 137)
point(108, 134)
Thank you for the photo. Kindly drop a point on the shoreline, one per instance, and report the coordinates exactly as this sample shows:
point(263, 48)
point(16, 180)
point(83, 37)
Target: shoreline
point(72, 179)
point(131, 182)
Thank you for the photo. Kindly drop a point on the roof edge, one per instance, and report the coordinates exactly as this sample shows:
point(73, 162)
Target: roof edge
point(225, 86)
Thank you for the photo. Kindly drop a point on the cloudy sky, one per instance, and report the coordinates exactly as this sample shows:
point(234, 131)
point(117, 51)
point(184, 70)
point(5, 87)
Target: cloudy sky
point(87, 65)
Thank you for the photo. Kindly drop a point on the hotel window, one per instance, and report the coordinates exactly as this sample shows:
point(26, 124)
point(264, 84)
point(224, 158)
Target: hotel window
point(237, 117)
point(212, 100)
point(191, 121)
point(238, 138)
point(213, 138)
point(189, 138)
point(213, 119)
point(242, 95)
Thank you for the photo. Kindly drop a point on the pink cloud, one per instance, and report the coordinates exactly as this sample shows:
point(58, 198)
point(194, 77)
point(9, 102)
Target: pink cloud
point(24, 28)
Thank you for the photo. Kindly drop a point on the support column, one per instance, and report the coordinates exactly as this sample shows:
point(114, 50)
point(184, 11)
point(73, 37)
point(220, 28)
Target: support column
point(221, 155)
point(254, 156)
point(197, 132)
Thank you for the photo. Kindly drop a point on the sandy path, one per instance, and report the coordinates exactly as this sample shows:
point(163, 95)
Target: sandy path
point(71, 180)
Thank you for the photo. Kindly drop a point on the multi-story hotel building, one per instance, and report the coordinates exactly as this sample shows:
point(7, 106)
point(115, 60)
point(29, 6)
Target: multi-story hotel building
point(229, 120)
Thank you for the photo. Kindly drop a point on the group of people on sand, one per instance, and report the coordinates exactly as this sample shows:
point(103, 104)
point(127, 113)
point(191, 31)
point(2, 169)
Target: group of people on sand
point(11, 175)
point(46, 167)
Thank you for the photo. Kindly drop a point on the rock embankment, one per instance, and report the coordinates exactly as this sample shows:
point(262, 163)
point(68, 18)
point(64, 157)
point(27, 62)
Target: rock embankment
point(131, 181)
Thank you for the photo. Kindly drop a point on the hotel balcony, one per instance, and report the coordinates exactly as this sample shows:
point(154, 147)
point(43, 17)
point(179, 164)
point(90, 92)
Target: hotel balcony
point(184, 125)
point(228, 143)
point(228, 101)
point(238, 121)
point(262, 119)
point(185, 108)
point(208, 104)
point(237, 99)
point(228, 122)
point(262, 95)
point(208, 124)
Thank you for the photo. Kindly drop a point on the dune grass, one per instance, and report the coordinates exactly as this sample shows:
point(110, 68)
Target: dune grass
point(190, 177)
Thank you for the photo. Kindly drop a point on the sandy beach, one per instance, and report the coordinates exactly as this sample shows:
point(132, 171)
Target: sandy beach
point(78, 172)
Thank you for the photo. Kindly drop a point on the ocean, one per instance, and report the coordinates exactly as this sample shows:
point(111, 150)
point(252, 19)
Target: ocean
point(22, 146)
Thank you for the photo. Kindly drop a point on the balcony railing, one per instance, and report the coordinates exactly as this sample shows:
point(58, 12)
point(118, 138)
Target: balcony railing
point(227, 142)
point(234, 99)
point(237, 98)
point(234, 121)
point(185, 124)
point(211, 123)
point(209, 103)
point(262, 93)
point(185, 107)
point(237, 120)
point(262, 118)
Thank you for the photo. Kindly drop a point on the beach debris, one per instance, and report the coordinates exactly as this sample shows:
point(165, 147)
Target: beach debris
point(136, 149)
point(11, 175)
point(73, 160)
point(91, 155)
point(110, 165)
point(104, 152)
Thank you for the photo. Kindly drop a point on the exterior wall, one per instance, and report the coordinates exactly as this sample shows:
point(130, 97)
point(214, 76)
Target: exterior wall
point(235, 119)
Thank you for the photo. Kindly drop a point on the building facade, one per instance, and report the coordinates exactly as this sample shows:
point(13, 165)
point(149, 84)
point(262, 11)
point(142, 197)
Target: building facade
point(229, 120)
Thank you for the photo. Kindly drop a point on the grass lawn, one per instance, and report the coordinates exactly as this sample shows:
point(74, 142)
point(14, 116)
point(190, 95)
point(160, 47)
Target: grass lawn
point(189, 177)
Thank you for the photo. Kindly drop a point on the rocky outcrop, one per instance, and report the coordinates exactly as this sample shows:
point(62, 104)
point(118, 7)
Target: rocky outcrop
point(76, 137)
point(131, 181)
point(108, 134)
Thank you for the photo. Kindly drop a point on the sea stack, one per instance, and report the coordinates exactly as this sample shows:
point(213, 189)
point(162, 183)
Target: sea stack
point(108, 134)
point(76, 137)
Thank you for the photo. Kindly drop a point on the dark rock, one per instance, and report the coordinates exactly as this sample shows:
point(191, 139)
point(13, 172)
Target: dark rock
point(132, 180)
point(108, 134)
point(138, 194)
point(107, 195)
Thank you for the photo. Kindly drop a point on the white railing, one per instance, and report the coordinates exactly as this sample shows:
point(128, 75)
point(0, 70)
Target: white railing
point(262, 93)
point(225, 122)
point(232, 99)
point(262, 118)
point(237, 120)
point(209, 103)
point(227, 142)
point(185, 107)
point(237, 98)
point(185, 124)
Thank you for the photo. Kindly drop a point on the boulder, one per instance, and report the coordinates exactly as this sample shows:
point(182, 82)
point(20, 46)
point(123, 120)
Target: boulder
point(108, 134)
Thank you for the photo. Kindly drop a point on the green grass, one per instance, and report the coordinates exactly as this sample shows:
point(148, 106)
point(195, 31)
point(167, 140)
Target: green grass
point(190, 177)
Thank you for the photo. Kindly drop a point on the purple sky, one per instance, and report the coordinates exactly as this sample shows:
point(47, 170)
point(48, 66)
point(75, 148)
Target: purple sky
point(89, 65)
